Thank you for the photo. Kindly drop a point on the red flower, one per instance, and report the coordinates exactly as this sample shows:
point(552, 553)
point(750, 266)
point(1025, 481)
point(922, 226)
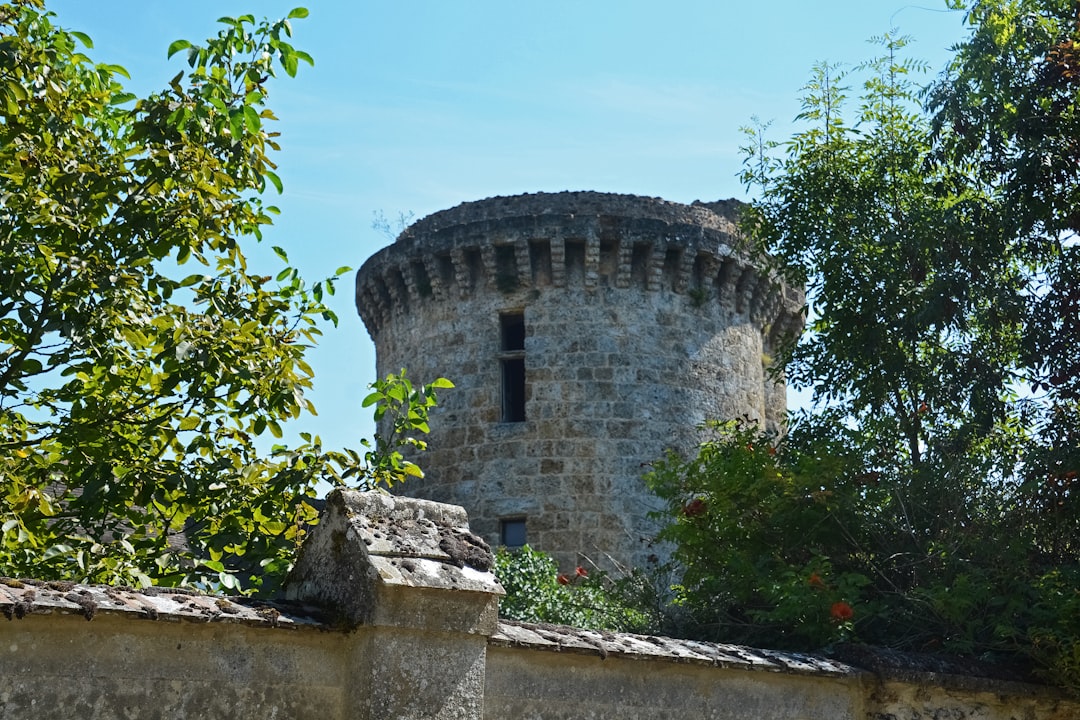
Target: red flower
point(563, 580)
point(772, 451)
point(841, 611)
point(694, 508)
point(815, 581)
point(581, 572)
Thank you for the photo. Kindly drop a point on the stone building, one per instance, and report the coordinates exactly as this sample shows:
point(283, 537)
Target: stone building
point(585, 333)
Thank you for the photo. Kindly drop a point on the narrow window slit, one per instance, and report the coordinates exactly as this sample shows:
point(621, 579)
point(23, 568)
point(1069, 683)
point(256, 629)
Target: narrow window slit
point(512, 361)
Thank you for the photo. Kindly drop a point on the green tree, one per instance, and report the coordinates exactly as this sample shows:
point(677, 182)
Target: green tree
point(928, 503)
point(915, 323)
point(1007, 112)
point(140, 356)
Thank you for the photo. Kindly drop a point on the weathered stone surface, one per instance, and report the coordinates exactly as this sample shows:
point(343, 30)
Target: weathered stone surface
point(559, 638)
point(641, 322)
point(368, 548)
point(19, 598)
point(965, 699)
point(531, 685)
point(555, 672)
point(60, 667)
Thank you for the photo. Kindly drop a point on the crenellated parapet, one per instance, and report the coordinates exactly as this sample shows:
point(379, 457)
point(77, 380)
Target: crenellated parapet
point(573, 240)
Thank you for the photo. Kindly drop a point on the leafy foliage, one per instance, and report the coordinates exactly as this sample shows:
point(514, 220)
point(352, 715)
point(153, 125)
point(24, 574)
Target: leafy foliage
point(798, 542)
point(930, 502)
point(915, 325)
point(140, 356)
point(537, 592)
point(1007, 111)
point(403, 408)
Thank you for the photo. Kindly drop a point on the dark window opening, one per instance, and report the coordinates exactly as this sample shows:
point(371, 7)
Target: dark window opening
point(513, 390)
point(513, 332)
point(512, 532)
point(512, 360)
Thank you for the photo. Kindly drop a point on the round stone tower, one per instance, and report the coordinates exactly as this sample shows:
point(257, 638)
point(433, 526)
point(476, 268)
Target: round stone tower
point(585, 333)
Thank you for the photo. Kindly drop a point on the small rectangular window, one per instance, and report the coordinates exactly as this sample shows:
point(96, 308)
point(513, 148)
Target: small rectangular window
point(513, 382)
point(513, 332)
point(512, 532)
point(512, 361)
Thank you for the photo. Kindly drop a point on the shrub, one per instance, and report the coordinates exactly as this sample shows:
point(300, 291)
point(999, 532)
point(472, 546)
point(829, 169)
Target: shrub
point(586, 598)
point(800, 542)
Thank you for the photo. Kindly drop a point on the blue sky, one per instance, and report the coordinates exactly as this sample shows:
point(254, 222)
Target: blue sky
point(414, 106)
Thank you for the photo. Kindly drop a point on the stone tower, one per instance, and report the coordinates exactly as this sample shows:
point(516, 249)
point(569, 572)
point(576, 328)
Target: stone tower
point(585, 333)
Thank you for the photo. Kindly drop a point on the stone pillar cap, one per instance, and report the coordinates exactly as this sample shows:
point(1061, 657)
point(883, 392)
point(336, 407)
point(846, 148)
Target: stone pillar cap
point(367, 544)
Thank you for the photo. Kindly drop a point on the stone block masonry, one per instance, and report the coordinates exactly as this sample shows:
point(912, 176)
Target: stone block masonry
point(586, 333)
point(392, 618)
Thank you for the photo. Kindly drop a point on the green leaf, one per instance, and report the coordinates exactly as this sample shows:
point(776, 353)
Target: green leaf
point(82, 37)
point(275, 180)
point(236, 124)
point(177, 46)
point(56, 550)
point(289, 62)
point(116, 70)
point(251, 118)
point(30, 366)
point(299, 12)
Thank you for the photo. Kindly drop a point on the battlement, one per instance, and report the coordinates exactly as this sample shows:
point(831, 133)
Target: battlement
point(584, 240)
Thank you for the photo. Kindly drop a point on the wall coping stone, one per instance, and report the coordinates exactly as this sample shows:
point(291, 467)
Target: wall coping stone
point(19, 598)
point(559, 638)
point(848, 660)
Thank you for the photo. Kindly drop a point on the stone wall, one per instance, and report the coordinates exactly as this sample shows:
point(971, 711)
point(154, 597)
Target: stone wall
point(641, 321)
point(391, 618)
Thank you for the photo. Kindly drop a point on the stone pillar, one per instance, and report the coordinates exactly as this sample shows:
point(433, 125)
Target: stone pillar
point(417, 585)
